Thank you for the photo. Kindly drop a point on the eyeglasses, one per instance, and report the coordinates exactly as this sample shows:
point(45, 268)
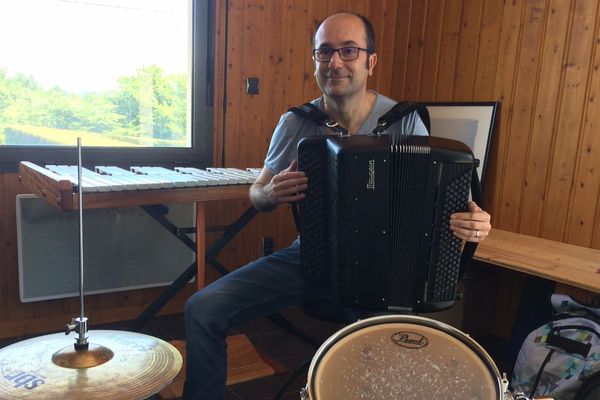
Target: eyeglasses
point(324, 54)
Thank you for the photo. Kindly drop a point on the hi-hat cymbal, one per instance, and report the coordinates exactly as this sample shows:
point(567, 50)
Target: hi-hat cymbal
point(118, 365)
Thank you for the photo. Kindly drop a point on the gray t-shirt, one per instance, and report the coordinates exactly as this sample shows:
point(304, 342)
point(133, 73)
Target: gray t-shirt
point(292, 128)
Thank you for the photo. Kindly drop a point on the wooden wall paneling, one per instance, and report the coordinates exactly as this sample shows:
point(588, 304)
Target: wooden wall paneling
point(487, 55)
point(33, 324)
point(210, 274)
point(509, 32)
point(273, 75)
point(358, 7)
point(448, 50)
point(4, 246)
point(317, 11)
point(570, 120)
point(254, 53)
point(545, 116)
point(242, 248)
point(269, 49)
point(492, 174)
point(235, 83)
point(466, 59)
point(503, 91)
point(403, 16)
point(16, 311)
point(596, 234)
point(243, 120)
point(246, 246)
point(523, 103)
point(299, 48)
point(414, 60)
point(8, 249)
point(383, 16)
point(586, 191)
point(219, 78)
point(431, 50)
point(281, 226)
point(335, 6)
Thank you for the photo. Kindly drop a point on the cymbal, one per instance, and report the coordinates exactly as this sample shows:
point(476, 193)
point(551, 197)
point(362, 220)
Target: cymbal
point(118, 365)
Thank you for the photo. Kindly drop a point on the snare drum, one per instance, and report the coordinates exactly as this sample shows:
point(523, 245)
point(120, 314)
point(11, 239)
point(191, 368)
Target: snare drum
point(402, 357)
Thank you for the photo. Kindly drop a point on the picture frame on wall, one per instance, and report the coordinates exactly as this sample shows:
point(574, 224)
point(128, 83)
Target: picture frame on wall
point(472, 123)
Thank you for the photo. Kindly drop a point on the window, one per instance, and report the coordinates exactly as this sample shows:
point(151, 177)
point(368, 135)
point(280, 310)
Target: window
point(132, 78)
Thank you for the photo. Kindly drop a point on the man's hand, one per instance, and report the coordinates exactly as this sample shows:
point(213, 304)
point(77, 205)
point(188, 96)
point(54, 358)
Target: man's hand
point(271, 190)
point(473, 225)
point(288, 185)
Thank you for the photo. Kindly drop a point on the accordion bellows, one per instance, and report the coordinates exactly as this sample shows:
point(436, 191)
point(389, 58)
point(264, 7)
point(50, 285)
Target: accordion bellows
point(374, 224)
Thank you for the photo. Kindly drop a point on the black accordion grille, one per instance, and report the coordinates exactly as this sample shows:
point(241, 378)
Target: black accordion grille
point(443, 274)
point(408, 163)
point(313, 214)
point(337, 212)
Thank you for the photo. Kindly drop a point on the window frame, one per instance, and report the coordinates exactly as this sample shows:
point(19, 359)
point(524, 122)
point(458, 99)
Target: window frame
point(200, 154)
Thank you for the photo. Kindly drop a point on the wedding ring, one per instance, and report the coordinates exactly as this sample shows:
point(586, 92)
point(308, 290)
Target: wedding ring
point(476, 233)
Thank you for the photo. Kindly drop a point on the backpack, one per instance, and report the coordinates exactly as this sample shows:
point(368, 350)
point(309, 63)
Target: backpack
point(559, 358)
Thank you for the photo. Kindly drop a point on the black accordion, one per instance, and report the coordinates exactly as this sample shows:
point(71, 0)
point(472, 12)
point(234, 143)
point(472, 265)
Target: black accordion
point(374, 224)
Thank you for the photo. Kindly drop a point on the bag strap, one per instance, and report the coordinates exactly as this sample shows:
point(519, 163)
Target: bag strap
point(540, 371)
point(569, 345)
point(583, 313)
point(589, 387)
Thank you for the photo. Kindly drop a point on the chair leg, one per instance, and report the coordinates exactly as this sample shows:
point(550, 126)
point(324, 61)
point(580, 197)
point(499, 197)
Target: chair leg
point(297, 372)
point(284, 323)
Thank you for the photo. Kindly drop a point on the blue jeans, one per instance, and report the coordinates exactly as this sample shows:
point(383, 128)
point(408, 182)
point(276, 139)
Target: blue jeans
point(260, 288)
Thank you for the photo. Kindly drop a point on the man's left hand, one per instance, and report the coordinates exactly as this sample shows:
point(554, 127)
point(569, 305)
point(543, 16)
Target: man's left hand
point(473, 225)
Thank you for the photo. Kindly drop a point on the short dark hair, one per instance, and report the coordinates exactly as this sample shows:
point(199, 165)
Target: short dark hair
point(368, 30)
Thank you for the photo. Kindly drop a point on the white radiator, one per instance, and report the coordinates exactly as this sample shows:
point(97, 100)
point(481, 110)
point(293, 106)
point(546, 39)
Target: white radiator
point(124, 249)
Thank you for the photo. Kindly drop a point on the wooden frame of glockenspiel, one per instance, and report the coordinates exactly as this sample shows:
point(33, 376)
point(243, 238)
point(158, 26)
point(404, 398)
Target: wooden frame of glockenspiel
point(60, 193)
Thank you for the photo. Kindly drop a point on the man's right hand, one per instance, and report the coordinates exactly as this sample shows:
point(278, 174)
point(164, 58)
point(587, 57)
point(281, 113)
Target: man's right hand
point(285, 187)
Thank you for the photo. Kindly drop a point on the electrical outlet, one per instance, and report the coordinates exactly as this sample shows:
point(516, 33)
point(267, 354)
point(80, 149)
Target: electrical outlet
point(252, 85)
point(268, 245)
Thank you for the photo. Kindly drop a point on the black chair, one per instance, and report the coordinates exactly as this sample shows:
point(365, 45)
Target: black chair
point(323, 311)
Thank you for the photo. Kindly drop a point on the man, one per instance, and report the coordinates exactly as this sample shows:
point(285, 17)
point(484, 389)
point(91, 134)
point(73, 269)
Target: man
point(344, 59)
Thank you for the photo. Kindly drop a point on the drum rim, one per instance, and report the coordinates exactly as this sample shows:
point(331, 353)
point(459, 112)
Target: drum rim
point(415, 319)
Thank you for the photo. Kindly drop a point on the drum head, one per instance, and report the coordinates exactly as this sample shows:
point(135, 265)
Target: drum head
point(402, 357)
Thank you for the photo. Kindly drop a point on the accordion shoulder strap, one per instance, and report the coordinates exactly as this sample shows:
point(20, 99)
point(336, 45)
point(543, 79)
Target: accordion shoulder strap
point(399, 111)
point(313, 113)
point(396, 113)
point(470, 247)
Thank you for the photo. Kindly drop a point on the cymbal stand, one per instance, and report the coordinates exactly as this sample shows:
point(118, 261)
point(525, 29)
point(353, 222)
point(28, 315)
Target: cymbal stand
point(79, 324)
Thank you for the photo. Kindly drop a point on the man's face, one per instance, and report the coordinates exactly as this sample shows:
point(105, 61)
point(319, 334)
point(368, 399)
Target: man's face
point(338, 78)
